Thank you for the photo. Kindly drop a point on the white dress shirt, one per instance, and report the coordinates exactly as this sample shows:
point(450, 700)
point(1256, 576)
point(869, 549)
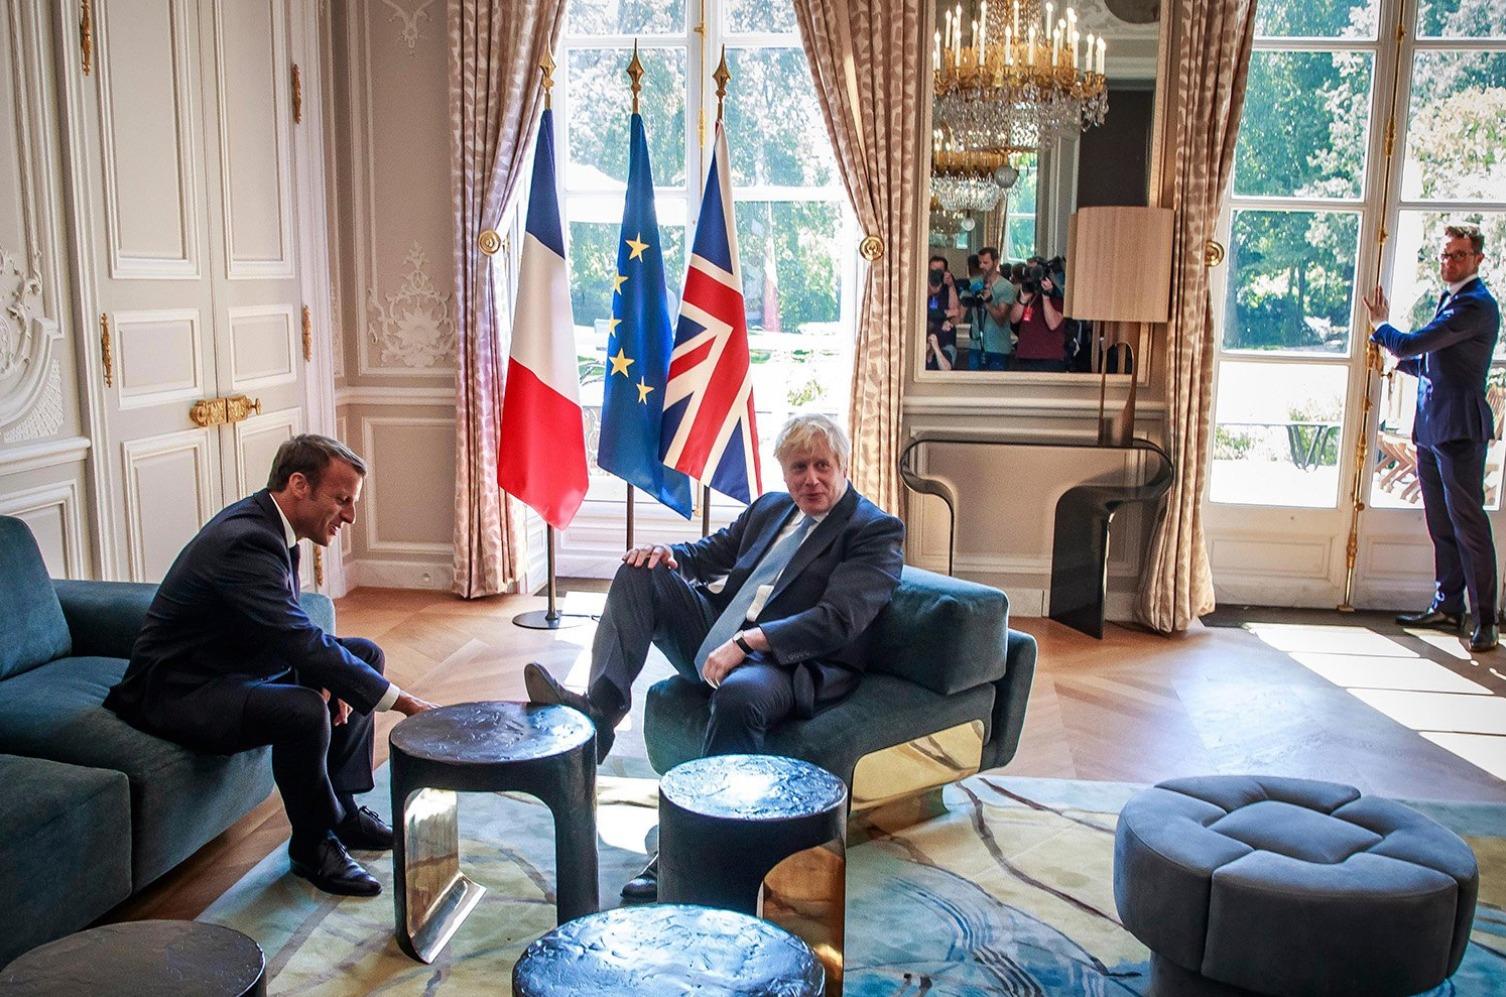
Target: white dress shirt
point(390, 696)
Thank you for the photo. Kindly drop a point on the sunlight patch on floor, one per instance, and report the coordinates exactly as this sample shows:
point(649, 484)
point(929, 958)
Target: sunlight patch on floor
point(1445, 707)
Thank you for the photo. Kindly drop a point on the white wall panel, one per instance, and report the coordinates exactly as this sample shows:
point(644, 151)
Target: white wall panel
point(53, 514)
point(158, 356)
point(147, 106)
point(264, 346)
point(256, 443)
point(170, 493)
point(410, 485)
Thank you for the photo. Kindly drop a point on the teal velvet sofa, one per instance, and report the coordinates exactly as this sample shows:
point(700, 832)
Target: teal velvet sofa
point(91, 809)
point(943, 656)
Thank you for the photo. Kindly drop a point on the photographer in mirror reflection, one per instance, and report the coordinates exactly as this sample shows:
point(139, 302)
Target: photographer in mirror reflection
point(1038, 319)
point(992, 328)
point(943, 311)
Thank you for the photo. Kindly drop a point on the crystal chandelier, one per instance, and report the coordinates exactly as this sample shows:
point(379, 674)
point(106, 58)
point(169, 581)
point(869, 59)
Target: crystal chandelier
point(1026, 78)
point(968, 180)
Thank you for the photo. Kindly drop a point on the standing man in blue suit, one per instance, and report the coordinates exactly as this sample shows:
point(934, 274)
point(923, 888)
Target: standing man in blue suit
point(1454, 425)
point(770, 613)
point(228, 660)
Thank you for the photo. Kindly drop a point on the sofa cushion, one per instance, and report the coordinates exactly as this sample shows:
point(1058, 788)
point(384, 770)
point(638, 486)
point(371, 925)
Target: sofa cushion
point(179, 798)
point(945, 634)
point(881, 712)
point(33, 630)
point(65, 837)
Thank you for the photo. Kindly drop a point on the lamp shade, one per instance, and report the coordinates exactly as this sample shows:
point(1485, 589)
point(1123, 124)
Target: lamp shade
point(1119, 264)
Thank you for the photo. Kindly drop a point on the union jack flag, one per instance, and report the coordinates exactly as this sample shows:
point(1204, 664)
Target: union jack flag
point(708, 430)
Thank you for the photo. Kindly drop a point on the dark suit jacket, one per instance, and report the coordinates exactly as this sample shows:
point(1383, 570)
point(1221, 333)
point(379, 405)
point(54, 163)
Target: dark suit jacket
point(1450, 357)
point(817, 617)
point(225, 619)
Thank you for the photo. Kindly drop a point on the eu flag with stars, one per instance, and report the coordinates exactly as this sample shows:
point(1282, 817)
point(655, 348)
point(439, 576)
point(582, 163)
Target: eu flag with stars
point(639, 345)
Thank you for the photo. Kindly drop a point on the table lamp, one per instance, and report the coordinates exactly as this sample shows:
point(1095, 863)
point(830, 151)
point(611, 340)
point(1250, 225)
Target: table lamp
point(1118, 271)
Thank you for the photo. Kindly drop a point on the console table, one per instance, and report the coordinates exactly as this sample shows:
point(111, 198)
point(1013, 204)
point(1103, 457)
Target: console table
point(1080, 540)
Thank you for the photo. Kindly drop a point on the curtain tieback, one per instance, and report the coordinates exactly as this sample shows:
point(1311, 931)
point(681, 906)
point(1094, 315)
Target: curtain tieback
point(871, 248)
point(489, 242)
point(1213, 253)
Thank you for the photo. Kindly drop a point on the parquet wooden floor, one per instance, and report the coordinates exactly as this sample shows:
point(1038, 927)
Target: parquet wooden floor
point(1134, 707)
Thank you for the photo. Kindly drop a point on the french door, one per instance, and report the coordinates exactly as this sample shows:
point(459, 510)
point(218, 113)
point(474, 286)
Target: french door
point(1368, 126)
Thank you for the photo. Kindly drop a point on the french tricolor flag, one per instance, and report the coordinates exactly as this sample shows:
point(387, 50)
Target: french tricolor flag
point(542, 456)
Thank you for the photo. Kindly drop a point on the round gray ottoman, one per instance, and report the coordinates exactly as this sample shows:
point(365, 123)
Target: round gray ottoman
point(1257, 884)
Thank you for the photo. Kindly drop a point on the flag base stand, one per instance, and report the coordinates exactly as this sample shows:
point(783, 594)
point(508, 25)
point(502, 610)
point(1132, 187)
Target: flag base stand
point(551, 618)
point(543, 619)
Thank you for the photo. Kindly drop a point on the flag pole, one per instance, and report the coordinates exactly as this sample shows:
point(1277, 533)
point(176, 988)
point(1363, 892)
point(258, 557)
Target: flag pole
point(551, 618)
point(635, 77)
point(722, 76)
point(629, 517)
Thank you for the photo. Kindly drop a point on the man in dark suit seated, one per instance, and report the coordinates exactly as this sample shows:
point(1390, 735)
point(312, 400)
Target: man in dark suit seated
point(770, 612)
point(1450, 357)
point(227, 660)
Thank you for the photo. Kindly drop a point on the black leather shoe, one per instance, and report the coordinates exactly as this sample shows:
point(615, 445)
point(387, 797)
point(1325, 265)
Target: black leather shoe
point(1485, 637)
point(644, 887)
point(363, 831)
point(1433, 619)
point(545, 688)
point(332, 870)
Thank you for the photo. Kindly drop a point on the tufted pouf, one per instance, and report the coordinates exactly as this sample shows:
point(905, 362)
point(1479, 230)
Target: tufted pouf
point(1290, 886)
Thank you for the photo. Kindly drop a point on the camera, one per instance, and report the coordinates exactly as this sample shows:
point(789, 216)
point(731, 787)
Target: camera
point(935, 277)
point(1029, 277)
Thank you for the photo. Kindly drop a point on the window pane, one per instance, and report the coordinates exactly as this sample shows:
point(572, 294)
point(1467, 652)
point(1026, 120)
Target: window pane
point(1461, 19)
point(1276, 433)
point(1291, 280)
point(1456, 127)
point(792, 265)
point(1415, 281)
point(599, 101)
point(626, 17)
point(1304, 125)
point(1394, 483)
point(774, 126)
point(1324, 19)
point(760, 15)
point(593, 263)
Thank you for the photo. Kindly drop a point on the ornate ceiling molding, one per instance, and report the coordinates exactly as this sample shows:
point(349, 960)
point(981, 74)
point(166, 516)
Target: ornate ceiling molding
point(413, 327)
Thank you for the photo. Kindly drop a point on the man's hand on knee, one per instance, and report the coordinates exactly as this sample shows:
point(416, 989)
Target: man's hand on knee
point(650, 556)
point(719, 663)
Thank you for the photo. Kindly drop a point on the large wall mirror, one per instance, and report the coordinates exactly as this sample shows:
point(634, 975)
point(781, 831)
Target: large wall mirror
point(1038, 109)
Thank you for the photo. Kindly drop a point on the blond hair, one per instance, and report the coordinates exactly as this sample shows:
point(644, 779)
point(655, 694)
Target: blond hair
point(805, 430)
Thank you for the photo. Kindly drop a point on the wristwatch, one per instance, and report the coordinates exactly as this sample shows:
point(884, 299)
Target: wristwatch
point(742, 642)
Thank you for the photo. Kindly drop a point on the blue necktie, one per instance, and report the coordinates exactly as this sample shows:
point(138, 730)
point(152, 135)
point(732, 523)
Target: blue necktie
point(767, 570)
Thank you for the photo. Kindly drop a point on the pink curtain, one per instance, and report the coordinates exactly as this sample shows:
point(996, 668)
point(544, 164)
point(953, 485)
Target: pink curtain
point(495, 100)
point(1212, 61)
point(868, 62)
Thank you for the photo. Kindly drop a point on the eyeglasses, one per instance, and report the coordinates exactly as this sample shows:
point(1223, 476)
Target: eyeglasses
point(1458, 256)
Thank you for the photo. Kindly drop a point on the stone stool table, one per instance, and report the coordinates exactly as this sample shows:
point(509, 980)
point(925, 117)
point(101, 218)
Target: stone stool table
point(763, 835)
point(1256, 884)
point(546, 751)
point(146, 958)
point(667, 949)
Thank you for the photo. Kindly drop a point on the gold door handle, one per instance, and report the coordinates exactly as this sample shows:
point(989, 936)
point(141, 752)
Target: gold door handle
point(240, 408)
point(208, 412)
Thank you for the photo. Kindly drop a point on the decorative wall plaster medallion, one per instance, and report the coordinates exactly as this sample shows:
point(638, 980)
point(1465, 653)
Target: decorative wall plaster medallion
point(411, 20)
point(47, 417)
point(20, 294)
point(414, 327)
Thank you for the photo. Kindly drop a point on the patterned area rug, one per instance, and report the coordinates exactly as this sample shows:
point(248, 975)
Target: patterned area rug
point(1007, 892)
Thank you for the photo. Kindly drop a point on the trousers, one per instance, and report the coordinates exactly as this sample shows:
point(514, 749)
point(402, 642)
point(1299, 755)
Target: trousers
point(1452, 475)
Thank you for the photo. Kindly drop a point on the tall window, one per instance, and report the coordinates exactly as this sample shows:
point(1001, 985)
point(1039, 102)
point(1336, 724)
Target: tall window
point(1302, 174)
point(795, 235)
point(1453, 169)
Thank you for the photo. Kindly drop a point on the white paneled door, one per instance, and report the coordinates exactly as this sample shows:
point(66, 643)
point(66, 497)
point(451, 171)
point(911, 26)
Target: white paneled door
point(188, 202)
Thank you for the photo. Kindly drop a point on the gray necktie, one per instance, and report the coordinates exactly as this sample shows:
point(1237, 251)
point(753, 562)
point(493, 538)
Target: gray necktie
point(766, 571)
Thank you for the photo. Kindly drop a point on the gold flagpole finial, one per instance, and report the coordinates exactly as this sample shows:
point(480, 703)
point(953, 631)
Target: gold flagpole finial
point(722, 75)
point(635, 73)
point(546, 65)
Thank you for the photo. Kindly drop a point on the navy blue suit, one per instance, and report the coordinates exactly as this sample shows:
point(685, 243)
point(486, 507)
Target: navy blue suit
point(228, 660)
point(816, 618)
point(1450, 357)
